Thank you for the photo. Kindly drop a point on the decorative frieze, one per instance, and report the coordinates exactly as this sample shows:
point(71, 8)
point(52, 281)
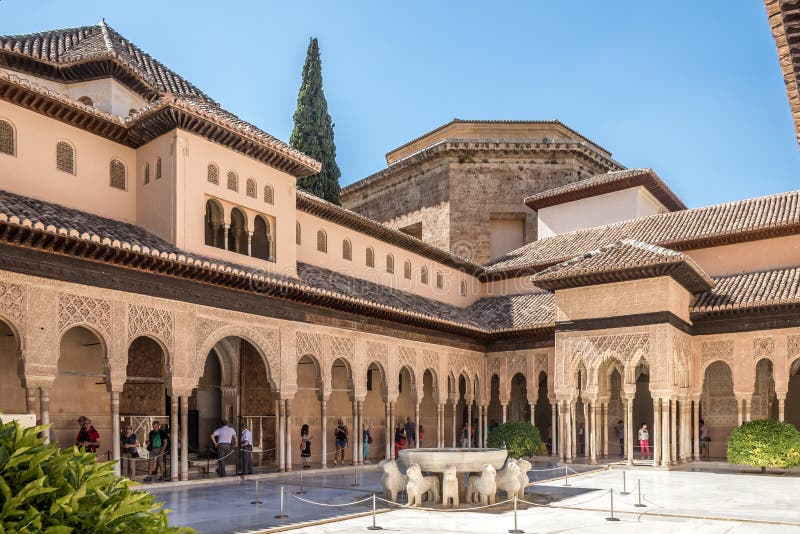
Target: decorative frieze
point(145, 320)
point(12, 302)
point(717, 350)
point(763, 347)
point(77, 309)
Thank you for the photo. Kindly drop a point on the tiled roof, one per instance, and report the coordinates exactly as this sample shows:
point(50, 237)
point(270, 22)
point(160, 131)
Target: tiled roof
point(754, 218)
point(87, 43)
point(751, 290)
point(626, 259)
point(515, 312)
point(607, 183)
point(784, 20)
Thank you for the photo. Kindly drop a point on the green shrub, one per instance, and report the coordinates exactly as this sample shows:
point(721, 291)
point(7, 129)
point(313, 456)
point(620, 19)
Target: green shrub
point(520, 438)
point(765, 443)
point(47, 489)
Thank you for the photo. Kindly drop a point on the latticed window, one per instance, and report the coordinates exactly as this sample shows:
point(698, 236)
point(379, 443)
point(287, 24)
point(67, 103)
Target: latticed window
point(423, 275)
point(370, 257)
point(347, 250)
point(407, 270)
point(439, 280)
point(251, 188)
point(322, 241)
point(390, 264)
point(269, 194)
point(233, 181)
point(213, 174)
point(146, 173)
point(8, 142)
point(117, 174)
point(65, 157)
point(158, 168)
point(297, 235)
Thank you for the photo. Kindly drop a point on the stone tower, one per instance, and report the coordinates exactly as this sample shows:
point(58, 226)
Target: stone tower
point(460, 187)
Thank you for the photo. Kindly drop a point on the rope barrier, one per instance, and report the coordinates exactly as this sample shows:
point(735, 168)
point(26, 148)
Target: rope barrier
point(331, 505)
point(424, 509)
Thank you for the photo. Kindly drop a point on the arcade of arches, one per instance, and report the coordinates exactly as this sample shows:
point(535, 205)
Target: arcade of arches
point(117, 357)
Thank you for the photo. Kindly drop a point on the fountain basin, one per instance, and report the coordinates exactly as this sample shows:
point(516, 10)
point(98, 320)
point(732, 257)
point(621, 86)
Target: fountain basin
point(464, 460)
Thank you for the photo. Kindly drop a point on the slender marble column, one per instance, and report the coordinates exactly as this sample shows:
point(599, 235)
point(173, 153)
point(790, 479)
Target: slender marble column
point(591, 433)
point(629, 430)
point(280, 433)
point(387, 430)
point(288, 433)
point(696, 433)
point(604, 407)
point(354, 433)
point(665, 437)
point(562, 429)
point(739, 415)
point(479, 433)
point(485, 426)
point(505, 412)
point(747, 402)
point(416, 425)
point(30, 401)
point(782, 408)
point(226, 227)
point(656, 432)
point(673, 411)
point(360, 432)
point(586, 445)
point(469, 425)
point(553, 430)
point(174, 432)
point(249, 243)
point(44, 406)
point(115, 438)
point(323, 445)
point(455, 434)
point(391, 430)
point(184, 408)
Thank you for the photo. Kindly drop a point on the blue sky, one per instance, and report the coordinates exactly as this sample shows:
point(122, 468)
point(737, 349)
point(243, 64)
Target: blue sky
point(692, 89)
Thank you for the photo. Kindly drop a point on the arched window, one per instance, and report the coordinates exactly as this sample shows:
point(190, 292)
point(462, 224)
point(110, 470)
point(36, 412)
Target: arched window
point(117, 173)
point(439, 280)
point(146, 173)
point(86, 101)
point(251, 188)
point(269, 194)
point(8, 139)
point(407, 269)
point(215, 231)
point(347, 250)
point(463, 288)
point(297, 235)
point(233, 181)
point(261, 246)
point(65, 157)
point(158, 168)
point(370, 257)
point(213, 174)
point(423, 275)
point(390, 264)
point(322, 241)
point(237, 232)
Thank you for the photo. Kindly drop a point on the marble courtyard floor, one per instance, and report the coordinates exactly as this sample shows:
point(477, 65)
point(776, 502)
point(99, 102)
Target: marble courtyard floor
point(676, 501)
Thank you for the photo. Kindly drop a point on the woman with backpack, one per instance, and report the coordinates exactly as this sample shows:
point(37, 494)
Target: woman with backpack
point(305, 446)
point(366, 438)
point(340, 435)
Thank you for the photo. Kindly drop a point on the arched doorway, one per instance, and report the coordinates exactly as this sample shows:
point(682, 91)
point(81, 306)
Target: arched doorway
point(542, 412)
point(792, 403)
point(307, 410)
point(257, 403)
point(719, 406)
point(340, 406)
point(237, 232)
point(262, 241)
point(406, 400)
point(214, 225)
point(374, 414)
point(205, 405)
point(12, 394)
point(764, 404)
point(80, 388)
point(519, 408)
point(461, 411)
point(428, 419)
point(450, 413)
point(642, 407)
point(494, 411)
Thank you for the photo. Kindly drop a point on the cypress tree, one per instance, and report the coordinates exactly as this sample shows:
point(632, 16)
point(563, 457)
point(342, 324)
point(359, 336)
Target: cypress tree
point(313, 130)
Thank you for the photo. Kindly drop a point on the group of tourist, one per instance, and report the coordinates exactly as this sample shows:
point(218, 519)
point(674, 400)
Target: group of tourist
point(405, 436)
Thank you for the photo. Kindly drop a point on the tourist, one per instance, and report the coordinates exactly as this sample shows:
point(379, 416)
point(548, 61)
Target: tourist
point(129, 451)
point(224, 439)
point(88, 436)
point(157, 447)
point(399, 439)
point(620, 429)
point(366, 440)
point(704, 440)
point(421, 432)
point(411, 436)
point(305, 446)
point(464, 436)
point(582, 438)
point(644, 442)
point(246, 445)
point(341, 435)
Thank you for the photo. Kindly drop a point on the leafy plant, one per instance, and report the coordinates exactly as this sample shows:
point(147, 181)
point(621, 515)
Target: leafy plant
point(60, 491)
point(765, 443)
point(520, 438)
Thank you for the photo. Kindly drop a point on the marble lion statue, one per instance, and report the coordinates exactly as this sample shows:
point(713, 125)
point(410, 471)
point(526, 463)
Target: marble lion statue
point(419, 486)
point(392, 480)
point(482, 486)
point(450, 487)
point(508, 478)
point(524, 467)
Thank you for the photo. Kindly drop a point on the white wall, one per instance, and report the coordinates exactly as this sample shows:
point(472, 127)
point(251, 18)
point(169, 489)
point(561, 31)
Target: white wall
point(598, 210)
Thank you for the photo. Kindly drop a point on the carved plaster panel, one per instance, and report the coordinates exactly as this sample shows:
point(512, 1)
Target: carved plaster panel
point(76, 309)
point(144, 320)
point(12, 302)
point(763, 347)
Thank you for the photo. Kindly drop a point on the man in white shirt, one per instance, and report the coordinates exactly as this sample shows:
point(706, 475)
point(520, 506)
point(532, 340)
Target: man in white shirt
point(224, 439)
point(246, 442)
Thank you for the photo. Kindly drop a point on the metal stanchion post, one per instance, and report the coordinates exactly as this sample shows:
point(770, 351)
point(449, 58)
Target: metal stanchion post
point(515, 530)
point(612, 518)
point(281, 515)
point(624, 484)
point(639, 488)
point(374, 526)
point(257, 501)
point(566, 476)
point(355, 475)
point(300, 492)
